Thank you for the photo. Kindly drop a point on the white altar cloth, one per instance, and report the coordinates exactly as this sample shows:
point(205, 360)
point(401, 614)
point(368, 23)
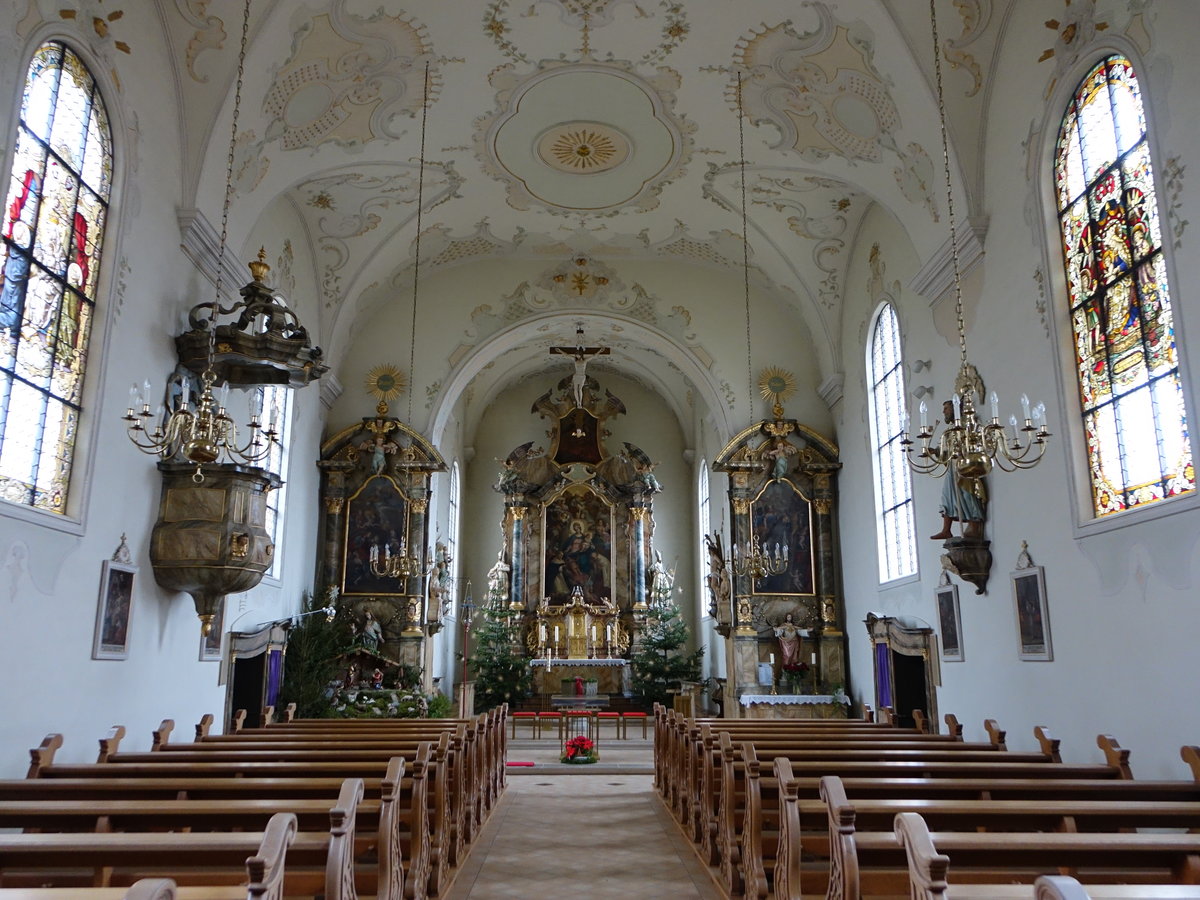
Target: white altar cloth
point(793, 699)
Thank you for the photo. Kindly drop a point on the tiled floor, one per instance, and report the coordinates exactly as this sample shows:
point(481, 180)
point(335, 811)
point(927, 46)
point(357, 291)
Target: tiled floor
point(598, 832)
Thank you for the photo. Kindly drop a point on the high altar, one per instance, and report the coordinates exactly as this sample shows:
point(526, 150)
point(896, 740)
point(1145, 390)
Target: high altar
point(579, 520)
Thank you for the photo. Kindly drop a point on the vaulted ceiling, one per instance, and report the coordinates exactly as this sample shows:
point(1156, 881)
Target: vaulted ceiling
point(591, 130)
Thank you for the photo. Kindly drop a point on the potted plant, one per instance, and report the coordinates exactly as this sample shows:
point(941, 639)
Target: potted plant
point(580, 750)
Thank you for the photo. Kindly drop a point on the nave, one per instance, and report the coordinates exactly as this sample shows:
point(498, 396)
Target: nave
point(606, 835)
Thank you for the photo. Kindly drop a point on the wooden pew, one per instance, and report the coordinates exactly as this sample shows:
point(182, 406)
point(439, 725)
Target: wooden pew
point(377, 828)
point(688, 780)
point(412, 811)
point(261, 876)
point(1132, 856)
point(747, 791)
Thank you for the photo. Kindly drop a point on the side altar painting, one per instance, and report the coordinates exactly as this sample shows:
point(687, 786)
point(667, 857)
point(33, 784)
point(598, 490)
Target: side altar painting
point(375, 552)
point(774, 591)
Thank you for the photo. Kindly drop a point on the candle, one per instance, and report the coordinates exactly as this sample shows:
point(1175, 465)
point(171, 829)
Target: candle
point(772, 659)
point(608, 631)
point(555, 634)
point(542, 633)
point(1025, 406)
point(924, 414)
point(957, 401)
point(1012, 423)
point(593, 633)
point(814, 658)
point(995, 398)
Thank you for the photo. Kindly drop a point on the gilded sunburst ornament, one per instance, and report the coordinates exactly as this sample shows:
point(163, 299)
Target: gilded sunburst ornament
point(385, 382)
point(777, 385)
point(583, 149)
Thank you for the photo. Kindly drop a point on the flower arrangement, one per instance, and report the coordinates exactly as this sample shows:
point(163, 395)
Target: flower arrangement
point(793, 674)
point(580, 750)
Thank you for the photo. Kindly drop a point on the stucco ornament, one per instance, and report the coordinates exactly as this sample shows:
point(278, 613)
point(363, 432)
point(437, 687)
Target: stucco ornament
point(350, 79)
point(588, 136)
point(820, 89)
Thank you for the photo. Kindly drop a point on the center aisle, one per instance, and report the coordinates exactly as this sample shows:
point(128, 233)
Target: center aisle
point(598, 836)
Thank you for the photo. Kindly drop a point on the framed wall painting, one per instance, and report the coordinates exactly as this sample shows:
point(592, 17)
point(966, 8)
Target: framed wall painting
point(210, 644)
point(1033, 619)
point(113, 610)
point(950, 623)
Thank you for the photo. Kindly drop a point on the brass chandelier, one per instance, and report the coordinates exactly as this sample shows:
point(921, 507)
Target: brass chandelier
point(203, 431)
point(969, 446)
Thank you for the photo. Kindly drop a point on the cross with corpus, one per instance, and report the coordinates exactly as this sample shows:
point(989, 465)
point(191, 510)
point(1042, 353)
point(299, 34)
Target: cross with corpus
point(581, 355)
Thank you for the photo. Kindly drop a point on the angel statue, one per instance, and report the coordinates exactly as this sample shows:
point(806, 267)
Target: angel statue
point(778, 451)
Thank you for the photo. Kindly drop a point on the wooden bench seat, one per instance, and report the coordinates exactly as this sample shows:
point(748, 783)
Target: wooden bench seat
point(256, 860)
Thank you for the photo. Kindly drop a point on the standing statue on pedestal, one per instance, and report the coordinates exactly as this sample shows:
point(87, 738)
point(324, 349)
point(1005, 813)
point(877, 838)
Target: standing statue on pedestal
point(497, 578)
point(963, 499)
point(789, 641)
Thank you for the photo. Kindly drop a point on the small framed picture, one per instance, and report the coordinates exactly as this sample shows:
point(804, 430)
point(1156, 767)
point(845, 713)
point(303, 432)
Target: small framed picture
point(113, 611)
point(210, 644)
point(950, 623)
point(1033, 619)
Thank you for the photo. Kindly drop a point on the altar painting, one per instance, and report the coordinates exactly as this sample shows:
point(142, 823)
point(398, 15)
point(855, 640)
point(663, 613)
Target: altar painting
point(376, 519)
point(781, 515)
point(578, 547)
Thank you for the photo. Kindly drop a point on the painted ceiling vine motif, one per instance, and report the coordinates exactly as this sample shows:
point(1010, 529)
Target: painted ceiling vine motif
point(501, 24)
point(821, 91)
point(350, 79)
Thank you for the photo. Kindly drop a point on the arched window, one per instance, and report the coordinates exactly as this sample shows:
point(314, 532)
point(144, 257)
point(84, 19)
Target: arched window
point(705, 522)
point(893, 483)
point(54, 220)
point(452, 528)
point(1127, 366)
point(275, 401)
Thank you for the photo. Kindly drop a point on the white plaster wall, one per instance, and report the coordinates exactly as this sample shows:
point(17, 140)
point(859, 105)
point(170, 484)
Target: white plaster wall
point(1122, 604)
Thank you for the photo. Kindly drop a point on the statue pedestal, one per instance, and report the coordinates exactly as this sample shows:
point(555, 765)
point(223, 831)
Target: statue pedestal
point(794, 706)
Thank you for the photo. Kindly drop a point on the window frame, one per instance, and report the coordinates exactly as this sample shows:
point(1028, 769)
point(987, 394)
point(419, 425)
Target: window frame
point(878, 449)
point(1085, 521)
point(73, 519)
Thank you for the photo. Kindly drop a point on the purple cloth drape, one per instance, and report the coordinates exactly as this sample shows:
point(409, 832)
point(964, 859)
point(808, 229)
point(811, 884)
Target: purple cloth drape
point(883, 675)
point(274, 675)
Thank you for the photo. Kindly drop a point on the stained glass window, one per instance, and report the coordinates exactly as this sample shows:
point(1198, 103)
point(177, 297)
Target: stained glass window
point(275, 401)
point(53, 230)
point(893, 483)
point(1126, 362)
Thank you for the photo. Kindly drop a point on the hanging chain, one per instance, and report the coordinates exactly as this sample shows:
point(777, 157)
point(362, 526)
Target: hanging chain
point(937, 70)
point(745, 245)
point(237, 108)
point(412, 337)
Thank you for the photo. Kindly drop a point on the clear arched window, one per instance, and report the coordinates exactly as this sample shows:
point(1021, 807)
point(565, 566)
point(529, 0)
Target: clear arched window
point(452, 527)
point(275, 401)
point(54, 220)
point(893, 484)
point(1127, 366)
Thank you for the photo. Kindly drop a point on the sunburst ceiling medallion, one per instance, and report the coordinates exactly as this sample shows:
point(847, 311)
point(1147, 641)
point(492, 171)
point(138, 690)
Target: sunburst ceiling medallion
point(776, 385)
point(583, 148)
point(386, 383)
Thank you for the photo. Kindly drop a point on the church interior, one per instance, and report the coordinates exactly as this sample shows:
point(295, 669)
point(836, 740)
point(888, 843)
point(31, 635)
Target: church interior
point(577, 308)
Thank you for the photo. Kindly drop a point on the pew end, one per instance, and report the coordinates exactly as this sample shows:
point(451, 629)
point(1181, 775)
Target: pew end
point(162, 734)
point(1047, 742)
point(110, 743)
point(204, 726)
point(995, 733)
point(151, 889)
point(953, 726)
point(1191, 755)
point(1115, 755)
point(926, 867)
point(42, 756)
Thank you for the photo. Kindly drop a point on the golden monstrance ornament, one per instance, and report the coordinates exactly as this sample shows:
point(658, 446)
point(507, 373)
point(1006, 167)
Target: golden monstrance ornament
point(777, 385)
point(387, 383)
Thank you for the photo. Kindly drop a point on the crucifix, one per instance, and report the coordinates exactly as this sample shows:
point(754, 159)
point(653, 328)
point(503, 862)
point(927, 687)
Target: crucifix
point(581, 355)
